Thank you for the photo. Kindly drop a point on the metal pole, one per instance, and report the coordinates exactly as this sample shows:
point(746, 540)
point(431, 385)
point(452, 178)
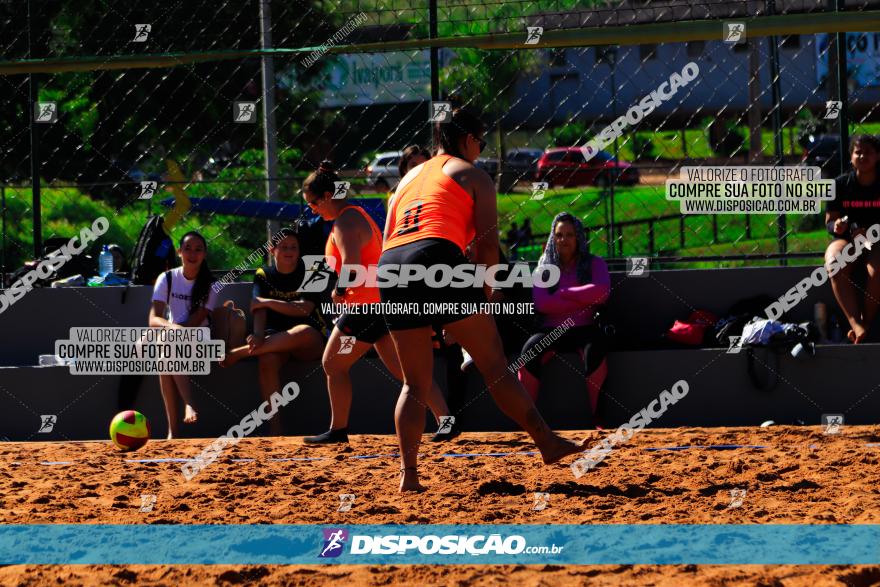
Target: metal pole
point(270, 136)
point(435, 57)
point(33, 96)
point(3, 249)
point(612, 181)
point(776, 118)
point(842, 93)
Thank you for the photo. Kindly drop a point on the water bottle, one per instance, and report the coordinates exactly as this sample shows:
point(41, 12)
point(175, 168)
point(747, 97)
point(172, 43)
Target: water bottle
point(105, 262)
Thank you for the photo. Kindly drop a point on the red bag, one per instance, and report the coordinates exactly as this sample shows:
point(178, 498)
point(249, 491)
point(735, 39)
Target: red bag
point(692, 330)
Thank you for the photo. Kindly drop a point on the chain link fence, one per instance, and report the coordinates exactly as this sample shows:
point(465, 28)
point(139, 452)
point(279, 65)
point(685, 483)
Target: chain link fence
point(99, 94)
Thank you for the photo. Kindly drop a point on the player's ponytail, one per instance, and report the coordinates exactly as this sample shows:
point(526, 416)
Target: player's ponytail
point(322, 180)
point(462, 123)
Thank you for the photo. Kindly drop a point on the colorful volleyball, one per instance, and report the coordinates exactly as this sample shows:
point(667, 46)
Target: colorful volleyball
point(129, 430)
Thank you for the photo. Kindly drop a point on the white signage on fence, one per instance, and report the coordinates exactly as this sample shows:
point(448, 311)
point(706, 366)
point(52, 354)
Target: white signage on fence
point(360, 79)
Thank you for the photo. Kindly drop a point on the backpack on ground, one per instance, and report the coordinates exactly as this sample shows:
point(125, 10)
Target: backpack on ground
point(153, 254)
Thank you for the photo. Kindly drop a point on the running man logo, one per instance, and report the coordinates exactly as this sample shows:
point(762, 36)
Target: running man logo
point(244, 112)
point(832, 423)
point(734, 32)
point(148, 500)
point(341, 189)
point(832, 109)
point(446, 424)
point(141, 32)
point(148, 189)
point(346, 344)
point(542, 500)
point(441, 111)
point(637, 266)
point(533, 34)
point(735, 345)
point(539, 188)
point(47, 423)
point(318, 274)
point(736, 498)
point(45, 112)
point(334, 539)
point(346, 500)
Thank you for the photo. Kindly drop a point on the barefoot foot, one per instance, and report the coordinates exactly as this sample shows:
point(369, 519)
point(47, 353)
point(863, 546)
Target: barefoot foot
point(559, 449)
point(190, 415)
point(409, 480)
point(234, 356)
point(857, 334)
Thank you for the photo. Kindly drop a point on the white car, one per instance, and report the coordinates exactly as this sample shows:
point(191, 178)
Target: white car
point(382, 172)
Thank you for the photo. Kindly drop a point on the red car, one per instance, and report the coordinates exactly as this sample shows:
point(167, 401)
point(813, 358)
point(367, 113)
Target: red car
point(567, 166)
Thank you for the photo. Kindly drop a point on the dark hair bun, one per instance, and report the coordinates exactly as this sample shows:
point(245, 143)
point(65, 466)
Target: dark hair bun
point(326, 166)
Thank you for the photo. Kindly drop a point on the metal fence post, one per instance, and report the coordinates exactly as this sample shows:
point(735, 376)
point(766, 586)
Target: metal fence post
point(776, 118)
point(3, 247)
point(33, 97)
point(840, 48)
point(435, 65)
point(270, 136)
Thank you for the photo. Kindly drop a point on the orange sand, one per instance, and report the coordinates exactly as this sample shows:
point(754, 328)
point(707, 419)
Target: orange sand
point(836, 481)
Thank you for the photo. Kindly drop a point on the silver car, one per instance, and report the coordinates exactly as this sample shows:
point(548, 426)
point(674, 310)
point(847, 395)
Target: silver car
point(382, 172)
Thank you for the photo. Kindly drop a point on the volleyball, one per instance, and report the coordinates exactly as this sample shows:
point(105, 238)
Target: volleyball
point(129, 430)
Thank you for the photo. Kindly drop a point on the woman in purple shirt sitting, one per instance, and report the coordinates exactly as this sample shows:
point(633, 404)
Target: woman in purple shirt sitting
point(569, 307)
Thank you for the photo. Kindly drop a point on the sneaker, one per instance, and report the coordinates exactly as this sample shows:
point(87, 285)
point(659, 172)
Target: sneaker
point(468, 361)
point(338, 436)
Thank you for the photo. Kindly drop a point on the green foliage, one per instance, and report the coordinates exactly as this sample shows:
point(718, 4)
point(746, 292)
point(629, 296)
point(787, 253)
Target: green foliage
point(572, 133)
point(725, 138)
point(642, 146)
point(66, 211)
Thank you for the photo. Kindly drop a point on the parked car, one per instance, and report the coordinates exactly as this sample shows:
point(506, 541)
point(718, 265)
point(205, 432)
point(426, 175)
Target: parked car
point(382, 172)
point(822, 151)
point(567, 166)
point(490, 166)
point(523, 162)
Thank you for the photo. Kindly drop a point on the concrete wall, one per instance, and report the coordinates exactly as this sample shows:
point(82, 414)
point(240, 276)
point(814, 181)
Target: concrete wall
point(643, 308)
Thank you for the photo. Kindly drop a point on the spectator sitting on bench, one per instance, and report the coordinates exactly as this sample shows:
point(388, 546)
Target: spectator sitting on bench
point(287, 323)
point(855, 208)
point(584, 285)
point(183, 298)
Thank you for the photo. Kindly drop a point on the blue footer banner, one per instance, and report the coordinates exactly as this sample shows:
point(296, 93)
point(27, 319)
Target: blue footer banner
point(601, 544)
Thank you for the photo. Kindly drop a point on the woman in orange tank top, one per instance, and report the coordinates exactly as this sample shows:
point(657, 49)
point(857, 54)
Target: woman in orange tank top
point(438, 208)
point(354, 240)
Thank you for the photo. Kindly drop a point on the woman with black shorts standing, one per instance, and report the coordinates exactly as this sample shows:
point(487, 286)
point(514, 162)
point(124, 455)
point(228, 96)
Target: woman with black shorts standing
point(354, 240)
point(440, 207)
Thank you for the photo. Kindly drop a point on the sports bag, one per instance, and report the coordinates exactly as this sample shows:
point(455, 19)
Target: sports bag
point(153, 254)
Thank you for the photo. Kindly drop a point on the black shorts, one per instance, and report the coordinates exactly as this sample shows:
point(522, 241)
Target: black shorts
point(366, 327)
point(591, 340)
point(427, 252)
